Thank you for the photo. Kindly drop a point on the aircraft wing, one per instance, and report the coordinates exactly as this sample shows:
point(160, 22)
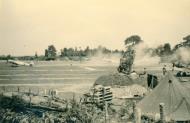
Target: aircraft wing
point(19, 63)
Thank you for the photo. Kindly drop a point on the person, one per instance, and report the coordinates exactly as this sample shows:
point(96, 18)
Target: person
point(173, 65)
point(164, 70)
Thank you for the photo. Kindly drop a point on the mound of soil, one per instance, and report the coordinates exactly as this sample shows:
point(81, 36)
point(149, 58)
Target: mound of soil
point(120, 79)
point(128, 91)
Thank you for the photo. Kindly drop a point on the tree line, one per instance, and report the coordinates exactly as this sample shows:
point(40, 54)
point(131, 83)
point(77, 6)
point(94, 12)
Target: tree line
point(51, 52)
point(161, 50)
point(166, 49)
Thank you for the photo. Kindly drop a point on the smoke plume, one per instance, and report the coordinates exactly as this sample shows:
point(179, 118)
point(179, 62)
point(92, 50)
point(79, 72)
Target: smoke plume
point(144, 58)
point(182, 55)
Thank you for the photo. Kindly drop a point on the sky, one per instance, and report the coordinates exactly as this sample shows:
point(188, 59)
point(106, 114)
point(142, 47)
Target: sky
point(29, 26)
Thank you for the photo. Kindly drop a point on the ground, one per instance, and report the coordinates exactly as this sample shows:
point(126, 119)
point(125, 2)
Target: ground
point(64, 76)
point(70, 79)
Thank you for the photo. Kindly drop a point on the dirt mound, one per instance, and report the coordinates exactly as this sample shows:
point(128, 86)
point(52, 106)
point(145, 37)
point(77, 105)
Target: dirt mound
point(128, 91)
point(120, 79)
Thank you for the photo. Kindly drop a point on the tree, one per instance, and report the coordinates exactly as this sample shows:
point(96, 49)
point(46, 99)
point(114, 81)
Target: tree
point(64, 52)
point(51, 52)
point(36, 55)
point(8, 57)
point(46, 53)
point(187, 41)
point(133, 40)
point(187, 38)
point(87, 51)
point(167, 49)
point(160, 50)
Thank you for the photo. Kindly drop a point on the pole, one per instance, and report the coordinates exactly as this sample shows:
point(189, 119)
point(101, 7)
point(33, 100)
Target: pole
point(29, 92)
point(4, 89)
point(49, 101)
point(162, 113)
point(104, 104)
point(152, 81)
point(18, 89)
point(138, 115)
point(134, 111)
point(30, 97)
point(106, 112)
point(45, 92)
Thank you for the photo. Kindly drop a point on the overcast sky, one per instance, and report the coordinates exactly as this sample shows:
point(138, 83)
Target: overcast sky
point(28, 26)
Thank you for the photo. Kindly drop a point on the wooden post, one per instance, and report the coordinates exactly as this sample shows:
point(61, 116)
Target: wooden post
point(134, 111)
point(103, 92)
point(105, 106)
point(45, 92)
point(18, 89)
point(74, 97)
point(52, 94)
point(29, 92)
point(46, 120)
point(138, 115)
point(106, 112)
point(67, 105)
point(4, 89)
point(49, 101)
point(30, 100)
point(162, 113)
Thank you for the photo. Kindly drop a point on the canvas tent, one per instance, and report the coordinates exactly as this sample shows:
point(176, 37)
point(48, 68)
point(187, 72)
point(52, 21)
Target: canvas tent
point(175, 97)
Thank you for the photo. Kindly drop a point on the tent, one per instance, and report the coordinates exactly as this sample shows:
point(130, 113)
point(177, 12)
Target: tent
point(173, 94)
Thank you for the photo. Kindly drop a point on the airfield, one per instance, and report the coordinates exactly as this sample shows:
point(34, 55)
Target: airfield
point(70, 79)
point(67, 77)
point(64, 76)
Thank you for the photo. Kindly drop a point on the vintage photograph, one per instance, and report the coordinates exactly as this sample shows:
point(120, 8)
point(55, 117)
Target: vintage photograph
point(94, 61)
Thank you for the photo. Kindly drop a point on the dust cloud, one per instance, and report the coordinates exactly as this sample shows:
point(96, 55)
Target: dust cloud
point(144, 58)
point(182, 55)
point(101, 59)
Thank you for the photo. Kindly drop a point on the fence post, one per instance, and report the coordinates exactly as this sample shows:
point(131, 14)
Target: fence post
point(138, 115)
point(18, 89)
point(162, 113)
point(134, 111)
point(30, 100)
point(29, 92)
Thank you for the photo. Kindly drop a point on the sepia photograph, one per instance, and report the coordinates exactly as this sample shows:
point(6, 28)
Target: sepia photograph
point(94, 61)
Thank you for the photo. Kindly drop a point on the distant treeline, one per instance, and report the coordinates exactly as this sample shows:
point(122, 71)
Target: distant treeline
point(9, 57)
point(164, 50)
point(67, 53)
point(78, 53)
point(74, 53)
point(88, 52)
point(161, 50)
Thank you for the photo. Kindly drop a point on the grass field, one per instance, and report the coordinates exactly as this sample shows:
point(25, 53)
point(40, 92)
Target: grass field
point(65, 76)
point(62, 75)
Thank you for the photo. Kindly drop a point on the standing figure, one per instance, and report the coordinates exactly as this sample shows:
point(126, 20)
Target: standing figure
point(164, 70)
point(173, 65)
